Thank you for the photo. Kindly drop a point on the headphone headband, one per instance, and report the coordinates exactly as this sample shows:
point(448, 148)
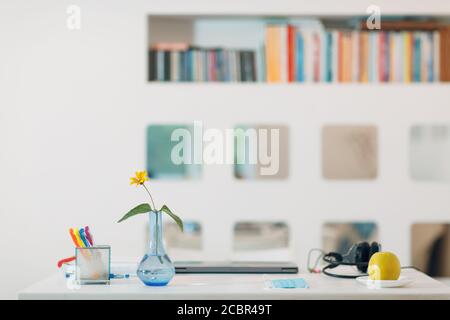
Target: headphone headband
point(358, 255)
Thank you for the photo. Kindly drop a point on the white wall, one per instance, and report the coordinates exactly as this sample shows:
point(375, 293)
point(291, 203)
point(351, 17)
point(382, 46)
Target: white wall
point(73, 110)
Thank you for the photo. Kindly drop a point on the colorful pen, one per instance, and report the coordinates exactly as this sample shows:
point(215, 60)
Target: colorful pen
point(74, 238)
point(83, 238)
point(64, 261)
point(77, 235)
point(119, 276)
point(89, 235)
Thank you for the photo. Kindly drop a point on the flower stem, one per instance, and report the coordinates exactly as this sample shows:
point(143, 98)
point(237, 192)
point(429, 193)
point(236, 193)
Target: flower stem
point(156, 222)
point(151, 198)
point(157, 238)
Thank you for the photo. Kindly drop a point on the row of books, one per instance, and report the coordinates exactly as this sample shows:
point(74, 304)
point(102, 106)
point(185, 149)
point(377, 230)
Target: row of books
point(294, 54)
point(310, 51)
point(180, 62)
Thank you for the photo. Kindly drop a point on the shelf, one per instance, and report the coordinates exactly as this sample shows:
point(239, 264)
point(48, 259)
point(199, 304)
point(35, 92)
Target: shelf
point(296, 85)
point(241, 37)
point(297, 7)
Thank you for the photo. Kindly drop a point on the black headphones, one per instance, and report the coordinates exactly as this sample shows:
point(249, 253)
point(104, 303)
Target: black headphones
point(358, 256)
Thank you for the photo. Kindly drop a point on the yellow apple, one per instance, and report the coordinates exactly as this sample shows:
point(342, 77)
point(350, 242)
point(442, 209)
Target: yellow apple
point(384, 266)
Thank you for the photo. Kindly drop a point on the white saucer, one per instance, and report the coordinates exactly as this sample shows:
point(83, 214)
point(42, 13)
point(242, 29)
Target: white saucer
point(375, 284)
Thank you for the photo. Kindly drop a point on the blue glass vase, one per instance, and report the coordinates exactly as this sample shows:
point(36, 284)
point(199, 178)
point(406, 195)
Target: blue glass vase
point(155, 268)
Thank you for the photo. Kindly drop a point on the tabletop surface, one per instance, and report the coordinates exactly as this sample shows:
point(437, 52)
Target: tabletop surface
point(236, 286)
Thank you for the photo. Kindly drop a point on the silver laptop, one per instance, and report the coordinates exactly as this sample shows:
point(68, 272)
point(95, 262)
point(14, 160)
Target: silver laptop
point(234, 267)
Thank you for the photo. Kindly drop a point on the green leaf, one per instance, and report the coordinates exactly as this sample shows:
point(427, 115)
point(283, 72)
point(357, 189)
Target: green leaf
point(173, 216)
point(142, 208)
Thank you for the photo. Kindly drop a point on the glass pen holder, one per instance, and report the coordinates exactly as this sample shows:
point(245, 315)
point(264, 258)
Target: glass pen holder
point(93, 265)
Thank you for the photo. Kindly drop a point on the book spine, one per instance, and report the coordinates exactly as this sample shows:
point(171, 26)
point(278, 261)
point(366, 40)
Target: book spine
point(323, 55)
point(237, 55)
point(443, 61)
point(387, 64)
point(392, 56)
point(291, 53)
point(166, 65)
point(152, 65)
point(160, 65)
point(375, 56)
point(197, 70)
point(272, 53)
point(283, 53)
point(355, 56)
point(261, 67)
point(308, 56)
point(348, 57)
point(436, 58)
point(370, 57)
point(340, 55)
point(253, 66)
point(195, 67)
point(192, 65)
point(300, 50)
point(207, 71)
point(182, 66)
point(316, 57)
point(444, 49)
point(335, 54)
point(417, 57)
point(364, 77)
point(329, 57)
point(407, 58)
point(382, 57)
point(430, 56)
point(214, 67)
point(174, 66)
point(399, 57)
point(425, 57)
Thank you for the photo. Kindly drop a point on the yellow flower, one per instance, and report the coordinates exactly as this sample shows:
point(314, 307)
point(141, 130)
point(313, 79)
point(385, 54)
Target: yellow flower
point(140, 178)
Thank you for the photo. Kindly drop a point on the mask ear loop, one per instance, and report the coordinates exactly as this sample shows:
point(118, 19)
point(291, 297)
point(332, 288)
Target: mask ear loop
point(314, 268)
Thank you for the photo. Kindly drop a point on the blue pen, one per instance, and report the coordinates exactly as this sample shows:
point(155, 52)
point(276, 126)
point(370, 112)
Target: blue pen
point(119, 276)
point(83, 238)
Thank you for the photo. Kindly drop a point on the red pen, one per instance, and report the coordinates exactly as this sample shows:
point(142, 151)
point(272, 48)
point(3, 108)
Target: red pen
point(88, 235)
point(66, 260)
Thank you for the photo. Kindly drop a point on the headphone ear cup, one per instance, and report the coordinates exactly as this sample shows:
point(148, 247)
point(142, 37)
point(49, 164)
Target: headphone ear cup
point(374, 248)
point(362, 256)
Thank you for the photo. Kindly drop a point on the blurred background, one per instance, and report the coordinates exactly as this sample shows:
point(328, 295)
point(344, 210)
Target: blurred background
point(84, 107)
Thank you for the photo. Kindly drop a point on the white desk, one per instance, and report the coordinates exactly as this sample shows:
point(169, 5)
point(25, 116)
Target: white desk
point(214, 286)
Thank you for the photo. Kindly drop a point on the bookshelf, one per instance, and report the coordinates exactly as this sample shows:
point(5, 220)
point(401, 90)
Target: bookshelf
point(320, 48)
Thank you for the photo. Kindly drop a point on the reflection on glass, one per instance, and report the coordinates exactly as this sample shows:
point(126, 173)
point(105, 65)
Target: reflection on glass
point(349, 152)
point(339, 237)
point(430, 248)
point(190, 238)
point(159, 153)
point(430, 152)
point(261, 151)
point(260, 236)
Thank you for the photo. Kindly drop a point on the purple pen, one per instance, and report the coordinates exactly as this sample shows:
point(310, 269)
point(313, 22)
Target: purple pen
point(88, 235)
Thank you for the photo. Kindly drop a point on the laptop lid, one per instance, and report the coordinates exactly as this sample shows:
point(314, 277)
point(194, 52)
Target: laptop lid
point(235, 267)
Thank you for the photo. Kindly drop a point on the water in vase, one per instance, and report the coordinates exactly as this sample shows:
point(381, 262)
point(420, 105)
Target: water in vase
point(156, 268)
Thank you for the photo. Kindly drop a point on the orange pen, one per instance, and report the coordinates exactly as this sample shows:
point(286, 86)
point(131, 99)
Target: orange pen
point(74, 238)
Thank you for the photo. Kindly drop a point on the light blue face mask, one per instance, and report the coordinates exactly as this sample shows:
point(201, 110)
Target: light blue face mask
point(289, 283)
